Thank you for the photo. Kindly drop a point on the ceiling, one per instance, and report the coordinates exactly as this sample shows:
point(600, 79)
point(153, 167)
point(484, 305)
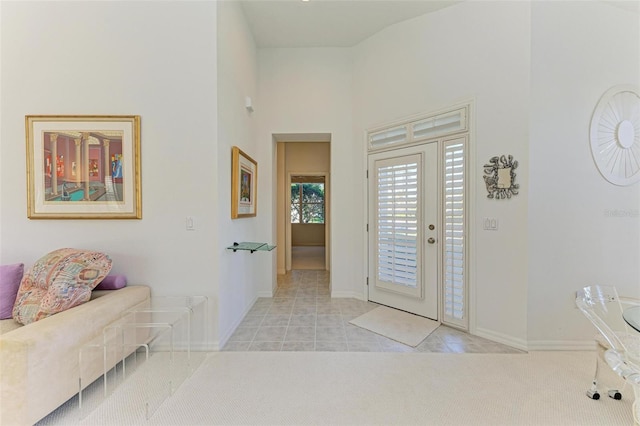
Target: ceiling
point(328, 23)
point(340, 23)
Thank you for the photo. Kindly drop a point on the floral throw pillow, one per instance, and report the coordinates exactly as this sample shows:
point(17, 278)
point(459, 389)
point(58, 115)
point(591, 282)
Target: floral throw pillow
point(58, 281)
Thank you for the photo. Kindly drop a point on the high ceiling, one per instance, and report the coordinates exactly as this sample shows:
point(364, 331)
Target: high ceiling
point(328, 23)
point(340, 23)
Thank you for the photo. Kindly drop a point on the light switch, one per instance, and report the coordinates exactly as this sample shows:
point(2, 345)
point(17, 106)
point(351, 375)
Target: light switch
point(490, 224)
point(190, 223)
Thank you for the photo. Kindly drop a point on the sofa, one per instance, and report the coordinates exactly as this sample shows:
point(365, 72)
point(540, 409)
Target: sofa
point(39, 362)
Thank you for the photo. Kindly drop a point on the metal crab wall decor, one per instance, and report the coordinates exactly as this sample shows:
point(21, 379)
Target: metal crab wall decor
point(500, 177)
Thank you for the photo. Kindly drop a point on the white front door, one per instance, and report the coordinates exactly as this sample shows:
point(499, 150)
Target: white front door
point(403, 229)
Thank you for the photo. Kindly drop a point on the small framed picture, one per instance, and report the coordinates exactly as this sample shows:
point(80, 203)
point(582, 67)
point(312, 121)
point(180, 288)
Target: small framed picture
point(83, 167)
point(244, 184)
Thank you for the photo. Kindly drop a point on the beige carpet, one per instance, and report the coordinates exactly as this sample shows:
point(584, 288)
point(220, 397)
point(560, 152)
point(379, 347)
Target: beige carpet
point(396, 325)
point(347, 388)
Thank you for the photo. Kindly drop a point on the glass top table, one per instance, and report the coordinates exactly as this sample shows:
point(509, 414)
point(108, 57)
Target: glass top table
point(632, 317)
point(149, 349)
point(252, 247)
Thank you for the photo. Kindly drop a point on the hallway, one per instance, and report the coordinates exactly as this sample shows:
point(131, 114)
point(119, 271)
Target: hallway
point(308, 257)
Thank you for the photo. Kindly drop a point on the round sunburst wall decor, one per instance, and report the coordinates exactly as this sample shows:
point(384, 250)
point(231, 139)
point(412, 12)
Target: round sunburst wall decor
point(615, 135)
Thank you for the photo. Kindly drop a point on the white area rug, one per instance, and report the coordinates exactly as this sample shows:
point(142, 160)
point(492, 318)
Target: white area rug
point(358, 388)
point(397, 325)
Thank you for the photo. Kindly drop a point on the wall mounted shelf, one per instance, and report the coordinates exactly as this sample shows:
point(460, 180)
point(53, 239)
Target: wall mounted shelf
point(248, 246)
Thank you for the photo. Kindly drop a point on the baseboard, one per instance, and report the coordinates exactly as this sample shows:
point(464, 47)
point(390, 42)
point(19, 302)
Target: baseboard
point(537, 345)
point(562, 345)
point(346, 294)
point(505, 339)
point(224, 338)
point(263, 294)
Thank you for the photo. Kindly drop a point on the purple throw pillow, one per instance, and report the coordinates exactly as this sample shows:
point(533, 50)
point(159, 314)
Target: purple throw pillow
point(10, 277)
point(112, 282)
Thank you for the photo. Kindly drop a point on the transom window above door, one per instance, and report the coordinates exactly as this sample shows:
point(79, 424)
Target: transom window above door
point(417, 130)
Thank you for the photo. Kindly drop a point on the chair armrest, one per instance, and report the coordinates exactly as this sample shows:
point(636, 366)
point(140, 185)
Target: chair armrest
point(623, 368)
point(630, 301)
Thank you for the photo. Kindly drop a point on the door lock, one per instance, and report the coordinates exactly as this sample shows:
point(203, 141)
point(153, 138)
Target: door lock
point(431, 240)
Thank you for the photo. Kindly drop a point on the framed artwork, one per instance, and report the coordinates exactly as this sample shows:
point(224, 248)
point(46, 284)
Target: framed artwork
point(244, 184)
point(83, 167)
point(615, 135)
point(500, 177)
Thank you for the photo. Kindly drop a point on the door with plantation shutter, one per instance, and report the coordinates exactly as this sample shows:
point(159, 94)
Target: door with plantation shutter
point(403, 233)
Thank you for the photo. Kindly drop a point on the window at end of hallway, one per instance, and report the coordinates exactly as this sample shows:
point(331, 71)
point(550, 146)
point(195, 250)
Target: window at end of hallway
point(307, 203)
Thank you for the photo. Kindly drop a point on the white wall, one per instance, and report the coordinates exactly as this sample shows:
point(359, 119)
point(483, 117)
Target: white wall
point(242, 276)
point(579, 50)
point(307, 234)
point(157, 60)
point(535, 71)
point(309, 91)
point(473, 50)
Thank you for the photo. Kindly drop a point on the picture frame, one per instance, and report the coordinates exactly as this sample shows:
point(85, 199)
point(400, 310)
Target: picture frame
point(500, 177)
point(244, 184)
point(69, 156)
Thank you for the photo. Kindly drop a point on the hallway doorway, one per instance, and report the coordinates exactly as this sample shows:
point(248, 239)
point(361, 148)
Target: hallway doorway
point(308, 221)
point(303, 202)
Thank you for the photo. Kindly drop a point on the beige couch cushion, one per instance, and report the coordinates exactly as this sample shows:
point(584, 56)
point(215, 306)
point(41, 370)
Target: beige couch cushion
point(39, 369)
point(7, 325)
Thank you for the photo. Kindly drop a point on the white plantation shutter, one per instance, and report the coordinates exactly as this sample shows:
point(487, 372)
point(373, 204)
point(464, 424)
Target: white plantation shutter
point(398, 210)
point(454, 232)
point(392, 136)
point(419, 129)
point(453, 121)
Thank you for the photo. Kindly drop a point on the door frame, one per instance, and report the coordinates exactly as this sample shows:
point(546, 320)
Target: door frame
point(470, 197)
point(430, 300)
point(327, 219)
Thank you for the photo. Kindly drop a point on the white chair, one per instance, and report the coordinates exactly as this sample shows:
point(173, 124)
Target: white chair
point(618, 344)
point(630, 372)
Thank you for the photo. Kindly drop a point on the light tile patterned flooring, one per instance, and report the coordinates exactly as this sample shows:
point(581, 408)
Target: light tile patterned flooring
point(303, 317)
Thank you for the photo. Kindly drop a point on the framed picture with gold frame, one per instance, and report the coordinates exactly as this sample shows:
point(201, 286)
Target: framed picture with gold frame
point(244, 184)
point(83, 167)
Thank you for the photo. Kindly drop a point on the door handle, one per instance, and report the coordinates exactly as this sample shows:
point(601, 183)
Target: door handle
point(431, 240)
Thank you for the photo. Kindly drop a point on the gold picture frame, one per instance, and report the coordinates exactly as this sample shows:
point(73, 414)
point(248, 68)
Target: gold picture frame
point(83, 167)
point(244, 184)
